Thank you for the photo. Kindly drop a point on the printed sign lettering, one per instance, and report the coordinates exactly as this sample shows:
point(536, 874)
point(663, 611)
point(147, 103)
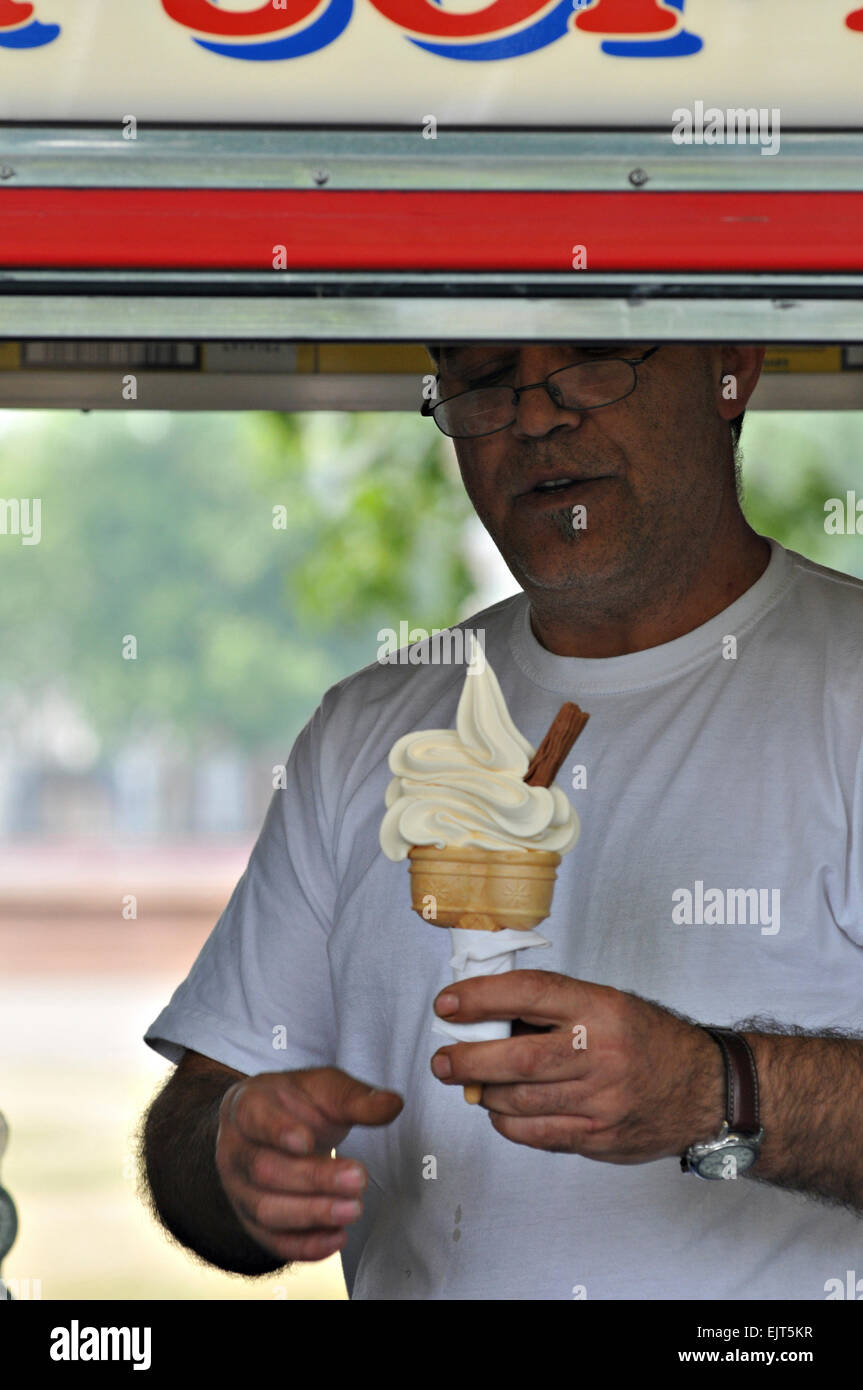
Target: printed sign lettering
point(20, 29)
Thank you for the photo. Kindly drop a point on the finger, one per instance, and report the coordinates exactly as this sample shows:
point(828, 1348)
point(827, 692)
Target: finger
point(305, 1245)
point(530, 1057)
point(541, 997)
point(269, 1170)
point(534, 1099)
point(324, 1100)
point(565, 1134)
point(341, 1099)
point(268, 1114)
point(554, 1133)
point(277, 1212)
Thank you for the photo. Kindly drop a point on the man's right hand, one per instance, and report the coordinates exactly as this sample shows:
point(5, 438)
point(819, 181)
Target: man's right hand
point(273, 1158)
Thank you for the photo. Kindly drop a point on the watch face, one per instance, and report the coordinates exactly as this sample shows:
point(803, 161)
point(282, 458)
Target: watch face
point(726, 1163)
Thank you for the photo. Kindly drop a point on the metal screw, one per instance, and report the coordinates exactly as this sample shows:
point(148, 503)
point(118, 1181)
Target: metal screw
point(6, 172)
point(321, 176)
point(639, 177)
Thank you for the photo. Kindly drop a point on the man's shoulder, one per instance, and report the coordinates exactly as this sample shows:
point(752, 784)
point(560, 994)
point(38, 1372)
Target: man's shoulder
point(839, 594)
point(831, 583)
point(825, 616)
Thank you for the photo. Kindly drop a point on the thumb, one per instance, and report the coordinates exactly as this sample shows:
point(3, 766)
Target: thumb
point(362, 1104)
point(345, 1100)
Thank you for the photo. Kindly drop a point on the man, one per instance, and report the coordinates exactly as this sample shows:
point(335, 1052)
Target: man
point(717, 882)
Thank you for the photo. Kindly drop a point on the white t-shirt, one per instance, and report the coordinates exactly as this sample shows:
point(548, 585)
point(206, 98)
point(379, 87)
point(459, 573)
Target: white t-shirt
point(733, 772)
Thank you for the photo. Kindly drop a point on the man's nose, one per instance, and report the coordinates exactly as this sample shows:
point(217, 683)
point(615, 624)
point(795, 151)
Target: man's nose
point(537, 414)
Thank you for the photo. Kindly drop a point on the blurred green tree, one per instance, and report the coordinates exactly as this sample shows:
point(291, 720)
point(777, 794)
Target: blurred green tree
point(385, 508)
point(792, 463)
point(162, 527)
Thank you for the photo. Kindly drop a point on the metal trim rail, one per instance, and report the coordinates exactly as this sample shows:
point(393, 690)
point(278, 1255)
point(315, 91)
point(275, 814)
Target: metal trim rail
point(374, 158)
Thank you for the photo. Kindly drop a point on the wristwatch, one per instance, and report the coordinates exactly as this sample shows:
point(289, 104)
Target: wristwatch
point(738, 1143)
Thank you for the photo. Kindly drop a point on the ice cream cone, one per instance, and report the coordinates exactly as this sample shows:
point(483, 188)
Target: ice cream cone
point(482, 890)
point(483, 784)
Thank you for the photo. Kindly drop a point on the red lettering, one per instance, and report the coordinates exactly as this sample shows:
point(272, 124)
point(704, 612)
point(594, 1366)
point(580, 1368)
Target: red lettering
point(627, 17)
point(13, 12)
point(422, 17)
point(209, 19)
point(855, 20)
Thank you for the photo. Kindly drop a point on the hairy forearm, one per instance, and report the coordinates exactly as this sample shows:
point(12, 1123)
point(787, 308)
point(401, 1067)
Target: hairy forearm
point(180, 1182)
point(811, 1094)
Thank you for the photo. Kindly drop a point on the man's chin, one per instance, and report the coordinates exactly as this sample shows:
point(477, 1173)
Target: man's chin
point(565, 564)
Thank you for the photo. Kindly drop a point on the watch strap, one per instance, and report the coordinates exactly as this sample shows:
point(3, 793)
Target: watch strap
point(741, 1079)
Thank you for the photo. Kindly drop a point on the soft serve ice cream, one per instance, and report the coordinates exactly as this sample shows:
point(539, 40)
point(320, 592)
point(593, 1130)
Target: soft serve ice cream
point(465, 786)
point(464, 789)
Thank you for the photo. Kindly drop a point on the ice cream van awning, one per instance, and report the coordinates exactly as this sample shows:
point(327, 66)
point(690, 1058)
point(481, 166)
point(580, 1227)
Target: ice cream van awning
point(308, 265)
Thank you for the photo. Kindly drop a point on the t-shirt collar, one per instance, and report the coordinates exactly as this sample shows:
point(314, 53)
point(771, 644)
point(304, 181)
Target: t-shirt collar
point(608, 675)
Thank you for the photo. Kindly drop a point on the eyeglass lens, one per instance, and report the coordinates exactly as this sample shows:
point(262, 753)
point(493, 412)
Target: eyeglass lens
point(584, 386)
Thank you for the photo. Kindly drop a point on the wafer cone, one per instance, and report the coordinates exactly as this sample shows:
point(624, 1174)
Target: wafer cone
point(482, 890)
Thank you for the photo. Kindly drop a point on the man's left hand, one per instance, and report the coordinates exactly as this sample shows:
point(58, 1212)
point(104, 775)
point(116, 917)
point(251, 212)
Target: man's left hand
point(612, 1077)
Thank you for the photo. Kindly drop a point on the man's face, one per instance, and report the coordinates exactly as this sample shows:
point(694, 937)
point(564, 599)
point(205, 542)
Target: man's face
point(653, 471)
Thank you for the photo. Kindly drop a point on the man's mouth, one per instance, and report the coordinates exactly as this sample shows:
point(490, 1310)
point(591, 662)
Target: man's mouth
point(563, 485)
point(557, 483)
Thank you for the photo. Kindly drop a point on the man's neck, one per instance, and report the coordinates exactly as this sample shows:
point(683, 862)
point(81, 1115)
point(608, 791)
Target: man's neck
point(719, 583)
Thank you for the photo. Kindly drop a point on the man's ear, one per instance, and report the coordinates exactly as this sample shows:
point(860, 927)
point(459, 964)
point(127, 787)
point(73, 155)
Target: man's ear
point(739, 369)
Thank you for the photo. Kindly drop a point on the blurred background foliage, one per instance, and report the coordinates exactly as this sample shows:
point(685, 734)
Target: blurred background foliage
point(386, 516)
point(792, 463)
point(161, 526)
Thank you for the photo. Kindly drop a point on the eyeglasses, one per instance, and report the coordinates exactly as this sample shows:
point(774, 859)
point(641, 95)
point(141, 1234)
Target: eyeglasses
point(588, 385)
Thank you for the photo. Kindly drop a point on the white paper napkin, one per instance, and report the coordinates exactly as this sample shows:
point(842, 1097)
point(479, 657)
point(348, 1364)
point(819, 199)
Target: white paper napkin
point(484, 953)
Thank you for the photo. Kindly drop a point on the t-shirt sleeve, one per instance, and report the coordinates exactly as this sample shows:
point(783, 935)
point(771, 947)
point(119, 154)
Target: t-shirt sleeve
point(259, 996)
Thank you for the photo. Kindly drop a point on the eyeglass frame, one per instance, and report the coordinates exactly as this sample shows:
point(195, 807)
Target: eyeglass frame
point(427, 409)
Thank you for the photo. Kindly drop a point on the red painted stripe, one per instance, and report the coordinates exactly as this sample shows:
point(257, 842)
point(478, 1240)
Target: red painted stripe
point(327, 230)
